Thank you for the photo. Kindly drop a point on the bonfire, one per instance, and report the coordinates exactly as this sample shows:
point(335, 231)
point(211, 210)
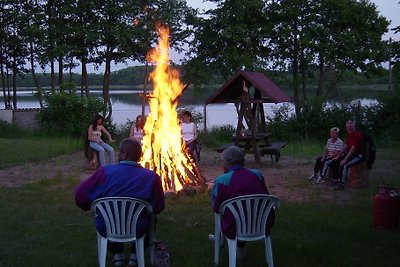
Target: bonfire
point(163, 147)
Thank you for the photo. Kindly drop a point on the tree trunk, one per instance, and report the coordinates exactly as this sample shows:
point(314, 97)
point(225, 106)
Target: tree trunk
point(106, 84)
point(8, 91)
point(60, 70)
point(84, 79)
point(14, 81)
point(35, 80)
point(321, 77)
point(333, 83)
point(3, 85)
point(295, 69)
point(303, 76)
point(52, 77)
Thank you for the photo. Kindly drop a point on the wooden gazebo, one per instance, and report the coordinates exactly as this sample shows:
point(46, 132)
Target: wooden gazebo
point(249, 91)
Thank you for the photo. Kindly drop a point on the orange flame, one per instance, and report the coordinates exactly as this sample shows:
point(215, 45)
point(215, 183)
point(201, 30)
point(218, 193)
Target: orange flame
point(162, 144)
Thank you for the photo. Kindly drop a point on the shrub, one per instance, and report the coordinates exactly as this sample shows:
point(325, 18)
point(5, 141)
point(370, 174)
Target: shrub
point(67, 114)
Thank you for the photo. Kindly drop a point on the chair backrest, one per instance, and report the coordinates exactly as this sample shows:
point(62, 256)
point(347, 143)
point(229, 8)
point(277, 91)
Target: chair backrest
point(120, 215)
point(251, 214)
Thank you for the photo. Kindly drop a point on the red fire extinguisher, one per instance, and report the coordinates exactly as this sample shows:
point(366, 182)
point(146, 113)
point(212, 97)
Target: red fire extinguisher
point(386, 208)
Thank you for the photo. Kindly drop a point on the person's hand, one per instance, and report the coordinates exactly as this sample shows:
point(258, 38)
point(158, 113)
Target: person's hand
point(343, 162)
point(322, 159)
point(112, 140)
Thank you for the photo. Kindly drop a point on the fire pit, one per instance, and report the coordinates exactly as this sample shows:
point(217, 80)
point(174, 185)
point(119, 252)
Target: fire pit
point(163, 147)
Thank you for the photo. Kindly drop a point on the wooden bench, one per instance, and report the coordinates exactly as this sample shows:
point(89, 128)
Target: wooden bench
point(272, 149)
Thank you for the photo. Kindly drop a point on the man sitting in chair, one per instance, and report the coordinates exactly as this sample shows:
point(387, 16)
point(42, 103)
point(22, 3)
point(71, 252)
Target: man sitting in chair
point(126, 179)
point(234, 182)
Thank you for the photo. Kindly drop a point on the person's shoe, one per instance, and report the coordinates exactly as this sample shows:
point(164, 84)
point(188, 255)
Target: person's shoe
point(240, 253)
point(339, 187)
point(320, 179)
point(211, 237)
point(132, 260)
point(312, 177)
point(118, 259)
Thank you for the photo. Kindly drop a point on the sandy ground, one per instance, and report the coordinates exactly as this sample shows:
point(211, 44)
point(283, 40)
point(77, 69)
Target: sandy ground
point(286, 179)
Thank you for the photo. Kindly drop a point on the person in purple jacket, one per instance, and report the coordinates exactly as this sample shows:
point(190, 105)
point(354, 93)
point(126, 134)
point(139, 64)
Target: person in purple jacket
point(126, 179)
point(236, 181)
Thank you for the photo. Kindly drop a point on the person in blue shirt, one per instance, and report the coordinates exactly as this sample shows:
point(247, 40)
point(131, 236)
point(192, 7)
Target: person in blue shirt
point(126, 179)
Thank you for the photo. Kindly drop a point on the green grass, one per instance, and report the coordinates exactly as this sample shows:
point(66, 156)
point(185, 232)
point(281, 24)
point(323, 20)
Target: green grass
point(17, 151)
point(303, 149)
point(41, 226)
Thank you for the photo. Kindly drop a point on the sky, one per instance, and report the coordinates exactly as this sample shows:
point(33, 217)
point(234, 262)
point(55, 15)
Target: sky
point(387, 8)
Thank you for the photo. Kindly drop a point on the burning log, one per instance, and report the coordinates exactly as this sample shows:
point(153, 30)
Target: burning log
point(163, 147)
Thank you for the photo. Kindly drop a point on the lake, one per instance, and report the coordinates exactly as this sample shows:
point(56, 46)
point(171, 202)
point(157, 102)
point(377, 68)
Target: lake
point(127, 105)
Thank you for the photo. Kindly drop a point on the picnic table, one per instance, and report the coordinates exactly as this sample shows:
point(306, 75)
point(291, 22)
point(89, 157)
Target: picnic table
point(263, 145)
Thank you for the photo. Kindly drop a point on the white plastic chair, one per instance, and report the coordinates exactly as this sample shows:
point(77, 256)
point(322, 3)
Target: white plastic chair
point(120, 216)
point(250, 213)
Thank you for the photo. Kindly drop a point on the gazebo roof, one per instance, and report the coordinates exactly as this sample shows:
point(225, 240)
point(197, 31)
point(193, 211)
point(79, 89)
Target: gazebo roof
point(233, 89)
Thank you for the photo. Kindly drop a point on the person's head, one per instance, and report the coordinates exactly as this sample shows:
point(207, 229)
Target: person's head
point(232, 156)
point(139, 123)
point(98, 120)
point(129, 149)
point(186, 116)
point(350, 126)
point(334, 133)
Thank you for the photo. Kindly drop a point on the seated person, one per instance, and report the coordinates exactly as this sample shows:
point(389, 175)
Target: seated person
point(189, 134)
point(136, 130)
point(353, 151)
point(95, 131)
point(126, 179)
point(234, 182)
point(329, 158)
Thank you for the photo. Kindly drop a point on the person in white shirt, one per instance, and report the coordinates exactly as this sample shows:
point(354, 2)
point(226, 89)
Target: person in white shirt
point(330, 157)
point(189, 133)
point(136, 131)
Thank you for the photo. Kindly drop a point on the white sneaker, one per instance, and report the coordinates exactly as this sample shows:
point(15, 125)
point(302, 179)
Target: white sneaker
point(320, 179)
point(119, 259)
point(132, 260)
point(211, 237)
point(312, 177)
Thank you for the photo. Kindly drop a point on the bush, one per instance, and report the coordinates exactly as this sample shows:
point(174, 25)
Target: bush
point(217, 136)
point(314, 121)
point(67, 114)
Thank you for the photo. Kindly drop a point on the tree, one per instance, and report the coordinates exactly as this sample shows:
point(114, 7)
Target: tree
point(290, 40)
point(228, 38)
point(327, 35)
point(14, 46)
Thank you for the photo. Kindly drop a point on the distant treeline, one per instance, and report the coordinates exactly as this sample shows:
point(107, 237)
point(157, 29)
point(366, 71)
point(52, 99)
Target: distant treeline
point(134, 77)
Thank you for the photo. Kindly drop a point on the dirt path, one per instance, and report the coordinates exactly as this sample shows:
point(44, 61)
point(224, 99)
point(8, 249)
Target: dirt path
point(286, 179)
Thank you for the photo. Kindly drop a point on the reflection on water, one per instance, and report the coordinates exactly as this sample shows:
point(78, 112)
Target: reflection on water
point(127, 105)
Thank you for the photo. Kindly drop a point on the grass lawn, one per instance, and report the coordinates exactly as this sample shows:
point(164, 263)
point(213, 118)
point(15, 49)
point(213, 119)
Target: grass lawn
point(17, 151)
point(41, 226)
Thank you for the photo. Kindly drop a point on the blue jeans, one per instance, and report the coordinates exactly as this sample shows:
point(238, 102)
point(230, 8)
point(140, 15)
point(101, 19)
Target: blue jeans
point(101, 148)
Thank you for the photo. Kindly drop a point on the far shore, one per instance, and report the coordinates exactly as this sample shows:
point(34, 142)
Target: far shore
point(91, 87)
